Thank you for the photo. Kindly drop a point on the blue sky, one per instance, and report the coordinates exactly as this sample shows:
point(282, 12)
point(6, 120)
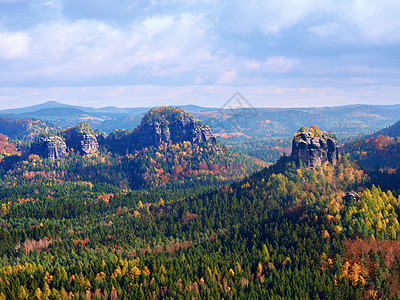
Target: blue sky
point(124, 53)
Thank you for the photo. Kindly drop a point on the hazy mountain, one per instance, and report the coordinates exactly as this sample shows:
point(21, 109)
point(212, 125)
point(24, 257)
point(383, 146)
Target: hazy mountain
point(346, 121)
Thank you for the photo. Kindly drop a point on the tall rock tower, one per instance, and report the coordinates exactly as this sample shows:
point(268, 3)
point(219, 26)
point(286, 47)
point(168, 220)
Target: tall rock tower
point(314, 147)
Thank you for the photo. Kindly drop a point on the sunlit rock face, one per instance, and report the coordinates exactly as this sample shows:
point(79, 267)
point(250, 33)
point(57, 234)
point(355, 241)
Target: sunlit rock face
point(89, 144)
point(314, 150)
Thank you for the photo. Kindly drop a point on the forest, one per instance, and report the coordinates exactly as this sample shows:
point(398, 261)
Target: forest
point(198, 220)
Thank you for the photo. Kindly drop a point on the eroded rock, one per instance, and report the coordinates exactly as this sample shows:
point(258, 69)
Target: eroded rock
point(49, 147)
point(313, 149)
point(175, 130)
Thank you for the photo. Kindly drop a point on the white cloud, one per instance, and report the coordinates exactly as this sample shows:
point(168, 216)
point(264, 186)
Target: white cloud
point(267, 16)
point(227, 43)
point(227, 77)
point(326, 29)
point(13, 45)
point(158, 46)
point(354, 21)
point(377, 21)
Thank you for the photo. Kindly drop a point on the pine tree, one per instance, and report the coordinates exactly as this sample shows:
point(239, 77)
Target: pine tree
point(22, 293)
point(38, 293)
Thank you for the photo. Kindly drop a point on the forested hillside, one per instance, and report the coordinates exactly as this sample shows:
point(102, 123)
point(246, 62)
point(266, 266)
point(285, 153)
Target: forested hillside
point(167, 211)
point(24, 129)
point(378, 150)
point(379, 154)
point(286, 231)
point(183, 158)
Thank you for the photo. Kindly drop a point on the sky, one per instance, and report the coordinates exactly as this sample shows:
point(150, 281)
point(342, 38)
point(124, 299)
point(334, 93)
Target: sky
point(287, 53)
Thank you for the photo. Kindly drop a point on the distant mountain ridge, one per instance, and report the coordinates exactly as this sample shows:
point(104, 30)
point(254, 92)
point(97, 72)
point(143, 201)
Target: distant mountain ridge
point(88, 109)
point(346, 121)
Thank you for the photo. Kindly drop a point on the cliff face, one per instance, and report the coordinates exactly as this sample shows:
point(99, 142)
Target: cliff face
point(82, 139)
point(49, 147)
point(176, 127)
point(314, 150)
point(153, 134)
point(88, 144)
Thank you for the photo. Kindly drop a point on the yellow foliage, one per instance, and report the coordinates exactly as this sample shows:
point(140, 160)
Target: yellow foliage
point(231, 272)
point(100, 276)
point(134, 273)
point(146, 271)
point(48, 277)
point(338, 229)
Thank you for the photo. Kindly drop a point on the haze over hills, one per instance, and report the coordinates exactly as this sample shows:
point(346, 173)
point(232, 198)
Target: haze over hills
point(345, 121)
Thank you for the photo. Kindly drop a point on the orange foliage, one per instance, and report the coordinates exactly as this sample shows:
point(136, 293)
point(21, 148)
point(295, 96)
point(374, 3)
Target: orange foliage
point(357, 254)
point(7, 148)
point(105, 197)
point(356, 248)
point(24, 200)
point(83, 242)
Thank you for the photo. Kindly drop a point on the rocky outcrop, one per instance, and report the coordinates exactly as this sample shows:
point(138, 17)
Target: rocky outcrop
point(88, 144)
point(153, 134)
point(78, 139)
point(192, 131)
point(186, 128)
point(314, 150)
point(351, 198)
point(81, 139)
point(49, 147)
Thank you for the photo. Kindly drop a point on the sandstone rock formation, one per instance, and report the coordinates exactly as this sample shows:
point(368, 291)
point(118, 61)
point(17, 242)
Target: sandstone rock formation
point(179, 126)
point(314, 149)
point(153, 134)
point(89, 144)
point(81, 138)
point(49, 147)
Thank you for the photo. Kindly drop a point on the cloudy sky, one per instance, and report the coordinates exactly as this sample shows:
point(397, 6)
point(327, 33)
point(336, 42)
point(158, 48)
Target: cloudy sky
point(130, 53)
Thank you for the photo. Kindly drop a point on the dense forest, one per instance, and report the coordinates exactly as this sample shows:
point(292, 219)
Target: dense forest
point(195, 220)
point(286, 231)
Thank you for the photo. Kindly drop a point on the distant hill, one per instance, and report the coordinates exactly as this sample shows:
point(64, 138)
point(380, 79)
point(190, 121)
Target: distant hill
point(346, 121)
point(391, 131)
point(380, 149)
point(25, 129)
point(64, 115)
point(56, 112)
point(33, 108)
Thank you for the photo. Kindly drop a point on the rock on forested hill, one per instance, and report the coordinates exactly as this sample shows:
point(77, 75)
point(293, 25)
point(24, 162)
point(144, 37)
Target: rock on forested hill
point(313, 147)
point(161, 125)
